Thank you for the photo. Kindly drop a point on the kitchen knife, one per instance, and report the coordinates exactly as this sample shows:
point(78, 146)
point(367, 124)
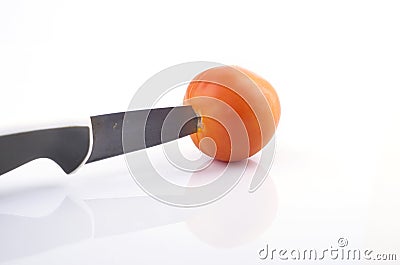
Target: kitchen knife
point(103, 137)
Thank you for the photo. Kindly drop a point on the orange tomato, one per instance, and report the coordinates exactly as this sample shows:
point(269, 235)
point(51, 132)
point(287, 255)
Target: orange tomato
point(239, 112)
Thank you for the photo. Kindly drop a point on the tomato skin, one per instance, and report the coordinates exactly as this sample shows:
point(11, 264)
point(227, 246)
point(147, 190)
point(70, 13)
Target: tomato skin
point(223, 96)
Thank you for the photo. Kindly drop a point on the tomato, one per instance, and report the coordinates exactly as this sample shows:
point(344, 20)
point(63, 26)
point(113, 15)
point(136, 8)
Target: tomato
point(239, 112)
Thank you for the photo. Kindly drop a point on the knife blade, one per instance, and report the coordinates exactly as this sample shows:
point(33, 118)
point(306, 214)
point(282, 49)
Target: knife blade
point(73, 146)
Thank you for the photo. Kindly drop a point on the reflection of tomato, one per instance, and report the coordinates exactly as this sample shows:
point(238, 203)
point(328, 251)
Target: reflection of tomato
point(222, 223)
point(244, 97)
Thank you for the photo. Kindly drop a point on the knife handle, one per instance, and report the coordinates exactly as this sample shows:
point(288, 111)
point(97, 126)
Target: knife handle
point(67, 146)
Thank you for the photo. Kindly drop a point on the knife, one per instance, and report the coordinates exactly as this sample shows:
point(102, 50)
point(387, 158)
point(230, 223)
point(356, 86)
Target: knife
point(102, 137)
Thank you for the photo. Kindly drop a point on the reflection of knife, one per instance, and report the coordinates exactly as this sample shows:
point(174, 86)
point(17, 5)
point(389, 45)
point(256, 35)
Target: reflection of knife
point(75, 221)
point(72, 146)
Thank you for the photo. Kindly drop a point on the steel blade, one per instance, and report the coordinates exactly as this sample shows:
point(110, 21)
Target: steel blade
point(145, 128)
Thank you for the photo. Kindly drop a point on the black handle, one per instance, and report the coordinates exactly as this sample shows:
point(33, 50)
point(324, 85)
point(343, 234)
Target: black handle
point(68, 147)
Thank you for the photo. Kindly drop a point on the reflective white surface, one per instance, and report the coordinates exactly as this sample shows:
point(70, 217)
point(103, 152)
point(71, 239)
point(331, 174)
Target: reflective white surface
point(336, 173)
point(40, 219)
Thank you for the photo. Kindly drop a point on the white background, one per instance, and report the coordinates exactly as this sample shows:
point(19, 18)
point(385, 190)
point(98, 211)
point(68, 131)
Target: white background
point(335, 66)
